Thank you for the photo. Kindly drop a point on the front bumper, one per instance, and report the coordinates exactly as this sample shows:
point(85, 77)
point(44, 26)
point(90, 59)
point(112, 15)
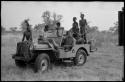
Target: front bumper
point(18, 57)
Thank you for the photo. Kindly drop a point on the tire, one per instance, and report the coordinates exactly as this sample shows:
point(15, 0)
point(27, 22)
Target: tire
point(42, 63)
point(20, 63)
point(80, 58)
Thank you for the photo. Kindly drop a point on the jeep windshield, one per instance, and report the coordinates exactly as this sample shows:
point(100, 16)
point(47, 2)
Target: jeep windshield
point(53, 33)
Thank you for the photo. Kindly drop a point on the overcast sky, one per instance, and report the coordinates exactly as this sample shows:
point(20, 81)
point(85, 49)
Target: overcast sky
point(101, 14)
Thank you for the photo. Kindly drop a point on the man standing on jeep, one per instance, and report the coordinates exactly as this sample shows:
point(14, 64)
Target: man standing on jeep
point(82, 24)
point(27, 34)
point(75, 28)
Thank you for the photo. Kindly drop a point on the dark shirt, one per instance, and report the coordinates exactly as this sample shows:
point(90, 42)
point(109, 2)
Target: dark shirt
point(27, 35)
point(75, 27)
point(68, 41)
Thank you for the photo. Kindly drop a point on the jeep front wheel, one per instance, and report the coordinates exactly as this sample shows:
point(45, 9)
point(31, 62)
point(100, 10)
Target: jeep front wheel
point(80, 58)
point(42, 62)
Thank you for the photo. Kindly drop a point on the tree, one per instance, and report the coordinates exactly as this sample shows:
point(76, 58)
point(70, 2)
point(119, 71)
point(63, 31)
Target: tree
point(51, 20)
point(92, 29)
point(56, 18)
point(114, 33)
point(39, 27)
point(46, 17)
point(114, 29)
point(13, 29)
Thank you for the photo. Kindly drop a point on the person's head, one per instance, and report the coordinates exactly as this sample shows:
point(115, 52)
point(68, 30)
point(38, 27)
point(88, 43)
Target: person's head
point(46, 28)
point(27, 21)
point(68, 33)
point(74, 19)
point(27, 24)
point(82, 16)
point(41, 36)
point(58, 24)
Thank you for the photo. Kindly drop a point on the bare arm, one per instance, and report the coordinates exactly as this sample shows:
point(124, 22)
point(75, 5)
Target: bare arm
point(86, 26)
point(23, 36)
point(62, 43)
point(85, 22)
point(79, 23)
point(31, 36)
point(74, 41)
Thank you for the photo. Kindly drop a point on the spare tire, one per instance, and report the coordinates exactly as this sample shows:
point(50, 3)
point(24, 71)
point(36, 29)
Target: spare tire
point(23, 49)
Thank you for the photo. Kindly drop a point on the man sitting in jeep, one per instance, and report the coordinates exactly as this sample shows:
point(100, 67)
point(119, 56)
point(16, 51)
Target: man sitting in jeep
point(68, 42)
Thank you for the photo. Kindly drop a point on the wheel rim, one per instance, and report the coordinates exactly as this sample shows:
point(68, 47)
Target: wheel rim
point(44, 65)
point(80, 58)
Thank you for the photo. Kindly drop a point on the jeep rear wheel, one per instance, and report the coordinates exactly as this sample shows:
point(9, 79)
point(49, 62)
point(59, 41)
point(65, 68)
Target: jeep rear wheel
point(20, 63)
point(80, 58)
point(42, 63)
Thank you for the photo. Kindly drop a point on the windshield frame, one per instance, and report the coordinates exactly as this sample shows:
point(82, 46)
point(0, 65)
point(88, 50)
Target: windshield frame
point(57, 29)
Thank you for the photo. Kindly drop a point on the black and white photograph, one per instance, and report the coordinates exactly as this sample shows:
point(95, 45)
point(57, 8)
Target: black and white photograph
point(62, 41)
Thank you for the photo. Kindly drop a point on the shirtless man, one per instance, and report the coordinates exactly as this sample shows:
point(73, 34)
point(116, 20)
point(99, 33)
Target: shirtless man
point(82, 24)
point(27, 34)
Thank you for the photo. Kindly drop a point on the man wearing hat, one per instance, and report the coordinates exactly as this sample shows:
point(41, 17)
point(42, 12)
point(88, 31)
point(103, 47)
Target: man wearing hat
point(82, 24)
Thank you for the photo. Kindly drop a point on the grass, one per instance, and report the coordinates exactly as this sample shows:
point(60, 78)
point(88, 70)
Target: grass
point(106, 64)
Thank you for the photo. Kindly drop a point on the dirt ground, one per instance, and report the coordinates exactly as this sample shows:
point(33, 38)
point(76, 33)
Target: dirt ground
point(104, 65)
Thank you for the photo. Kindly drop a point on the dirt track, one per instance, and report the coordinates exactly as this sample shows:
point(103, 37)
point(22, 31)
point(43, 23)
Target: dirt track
point(104, 65)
